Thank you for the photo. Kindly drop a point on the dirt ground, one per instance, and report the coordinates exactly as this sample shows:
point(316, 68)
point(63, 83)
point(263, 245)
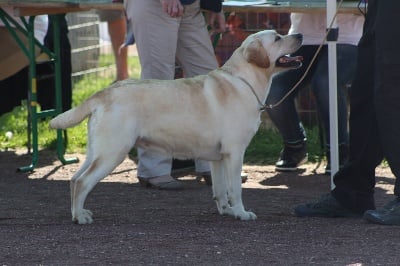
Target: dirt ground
point(137, 226)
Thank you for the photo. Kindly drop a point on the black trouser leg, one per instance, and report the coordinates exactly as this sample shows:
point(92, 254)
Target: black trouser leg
point(387, 100)
point(356, 181)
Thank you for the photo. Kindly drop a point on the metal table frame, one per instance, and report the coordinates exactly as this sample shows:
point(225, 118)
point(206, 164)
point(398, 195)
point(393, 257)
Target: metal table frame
point(31, 10)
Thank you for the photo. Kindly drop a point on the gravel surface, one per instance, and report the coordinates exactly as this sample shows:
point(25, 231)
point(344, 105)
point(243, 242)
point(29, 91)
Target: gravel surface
point(137, 226)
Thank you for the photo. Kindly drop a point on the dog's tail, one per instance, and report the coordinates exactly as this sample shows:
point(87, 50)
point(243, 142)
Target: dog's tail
point(72, 117)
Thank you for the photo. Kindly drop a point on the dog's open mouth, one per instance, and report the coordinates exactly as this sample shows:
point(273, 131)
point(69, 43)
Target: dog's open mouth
point(289, 61)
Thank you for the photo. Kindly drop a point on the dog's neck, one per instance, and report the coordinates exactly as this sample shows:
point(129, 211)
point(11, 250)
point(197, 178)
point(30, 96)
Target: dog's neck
point(262, 106)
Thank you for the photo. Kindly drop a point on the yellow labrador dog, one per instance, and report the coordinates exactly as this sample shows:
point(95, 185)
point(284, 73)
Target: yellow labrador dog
point(212, 117)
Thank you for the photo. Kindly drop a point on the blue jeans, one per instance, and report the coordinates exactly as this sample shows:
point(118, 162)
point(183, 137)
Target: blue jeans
point(285, 116)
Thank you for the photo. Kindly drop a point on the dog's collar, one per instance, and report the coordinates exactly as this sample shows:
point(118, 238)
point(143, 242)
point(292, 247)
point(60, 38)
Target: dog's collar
point(262, 106)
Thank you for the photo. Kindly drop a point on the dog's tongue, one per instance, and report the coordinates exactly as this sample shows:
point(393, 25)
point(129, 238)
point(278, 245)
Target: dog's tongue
point(289, 61)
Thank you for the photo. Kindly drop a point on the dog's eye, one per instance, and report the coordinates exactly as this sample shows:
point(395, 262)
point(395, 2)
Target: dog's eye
point(277, 38)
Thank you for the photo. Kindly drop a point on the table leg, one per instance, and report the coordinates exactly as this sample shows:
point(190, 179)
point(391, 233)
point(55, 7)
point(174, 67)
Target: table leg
point(32, 99)
point(34, 114)
point(58, 87)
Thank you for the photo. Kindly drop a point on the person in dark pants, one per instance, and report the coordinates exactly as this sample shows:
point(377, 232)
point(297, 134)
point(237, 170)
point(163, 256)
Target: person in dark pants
point(15, 86)
point(374, 124)
point(47, 97)
point(316, 74)
point(14, 64)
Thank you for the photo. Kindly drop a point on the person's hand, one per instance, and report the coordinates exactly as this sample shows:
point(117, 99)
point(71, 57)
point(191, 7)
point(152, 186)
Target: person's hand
point(173, 8)
point(217, 22)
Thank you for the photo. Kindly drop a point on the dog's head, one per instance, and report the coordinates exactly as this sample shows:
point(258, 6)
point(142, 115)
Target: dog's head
point(267, 49)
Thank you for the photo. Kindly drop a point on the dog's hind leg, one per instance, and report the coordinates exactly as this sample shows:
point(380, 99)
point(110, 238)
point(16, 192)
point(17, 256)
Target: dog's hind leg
point(103, 157)
point(99, 168)
point(81, 170)
point(232, 169)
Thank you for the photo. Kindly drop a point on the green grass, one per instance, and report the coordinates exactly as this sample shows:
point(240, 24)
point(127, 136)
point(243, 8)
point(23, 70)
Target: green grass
point(267, 144)
point(16, 121)
point(263, 149)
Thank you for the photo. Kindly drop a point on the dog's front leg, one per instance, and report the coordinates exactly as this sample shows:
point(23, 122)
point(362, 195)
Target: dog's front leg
point(219, 187)
point(232, 169)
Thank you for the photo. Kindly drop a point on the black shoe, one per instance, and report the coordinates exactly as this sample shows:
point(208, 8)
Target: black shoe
point(291, 157)
point(387, 215)
point(326, 206)
point(343, 157)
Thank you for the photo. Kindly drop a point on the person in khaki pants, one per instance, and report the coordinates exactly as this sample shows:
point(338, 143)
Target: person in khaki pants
point(169, 32)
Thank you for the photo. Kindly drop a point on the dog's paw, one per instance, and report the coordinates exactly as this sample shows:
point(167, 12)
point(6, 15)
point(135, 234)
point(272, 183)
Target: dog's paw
point(247, 216)
point(83, 217)
point(225, 209)
point(243, 215)
point(223, 206)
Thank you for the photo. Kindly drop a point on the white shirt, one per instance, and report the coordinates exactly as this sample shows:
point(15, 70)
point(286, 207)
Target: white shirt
point(313, 27)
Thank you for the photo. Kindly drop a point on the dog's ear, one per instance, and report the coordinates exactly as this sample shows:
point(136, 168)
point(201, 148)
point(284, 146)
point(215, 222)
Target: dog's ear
point(255, 53)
